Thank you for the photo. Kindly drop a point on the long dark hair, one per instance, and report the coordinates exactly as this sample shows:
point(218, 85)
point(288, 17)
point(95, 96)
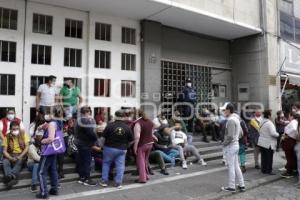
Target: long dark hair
point(39, 120)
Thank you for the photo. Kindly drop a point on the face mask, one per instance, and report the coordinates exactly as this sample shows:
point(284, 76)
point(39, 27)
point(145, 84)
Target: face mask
point(10, 117)
point(282, 115)
point(53, 84)
point(47, 118)
point(189, 84)
point(15, 133)
point(294, 110)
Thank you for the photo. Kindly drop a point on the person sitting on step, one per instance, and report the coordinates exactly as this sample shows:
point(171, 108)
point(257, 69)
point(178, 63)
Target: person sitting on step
point(15, 148)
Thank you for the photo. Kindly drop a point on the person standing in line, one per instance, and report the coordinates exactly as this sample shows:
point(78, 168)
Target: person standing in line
point(85, 134)
point(297, 150)
point(117, 138)
point(231, 144)
point(47, 95)
point(267, 142)
point(143, 143)
point(280, 123)
point(48, 163)
point(243, 144)
point(288, 145)
point(254, 125)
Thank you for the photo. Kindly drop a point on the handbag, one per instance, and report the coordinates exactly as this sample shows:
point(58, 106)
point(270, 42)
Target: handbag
point(56, 147)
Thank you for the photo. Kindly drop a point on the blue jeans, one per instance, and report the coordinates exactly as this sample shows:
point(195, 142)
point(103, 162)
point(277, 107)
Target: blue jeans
point(84, 162)
point(169, 154)
point(48, 164)
point(33, 167)
point(118, 157)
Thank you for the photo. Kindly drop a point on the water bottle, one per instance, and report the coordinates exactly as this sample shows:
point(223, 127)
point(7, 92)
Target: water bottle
point(93, 165)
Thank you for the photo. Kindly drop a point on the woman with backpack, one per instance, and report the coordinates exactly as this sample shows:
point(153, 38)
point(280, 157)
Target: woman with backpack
point(48, 153)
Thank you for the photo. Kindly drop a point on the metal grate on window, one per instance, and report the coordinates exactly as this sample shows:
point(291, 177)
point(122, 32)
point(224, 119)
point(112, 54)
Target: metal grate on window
point(102, 31)
point(72, 57)
point(128, 35)
point(102, 59)
point(128, 62)
point(173, 79)
point(42, 24)
point(102, 87)
point(8, 18)
point(35, 82)
point(128, 88)
point(8, 51)
point(7, 84)
point(73, 28)
point(41, 54)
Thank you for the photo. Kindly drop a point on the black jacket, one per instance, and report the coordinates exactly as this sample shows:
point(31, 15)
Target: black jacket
point(85, 132)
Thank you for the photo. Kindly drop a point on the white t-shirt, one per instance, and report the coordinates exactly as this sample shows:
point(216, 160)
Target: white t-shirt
point(178, 137)
point(8, 125)
point(291, 129)
point(47, 94)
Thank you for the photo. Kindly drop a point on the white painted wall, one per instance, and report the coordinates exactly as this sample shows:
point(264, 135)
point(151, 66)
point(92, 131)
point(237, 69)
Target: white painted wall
point(58, 41)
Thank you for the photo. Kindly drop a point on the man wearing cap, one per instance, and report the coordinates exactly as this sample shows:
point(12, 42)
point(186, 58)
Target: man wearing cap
point(188, 96)
point(117, 137)
point(233, 132)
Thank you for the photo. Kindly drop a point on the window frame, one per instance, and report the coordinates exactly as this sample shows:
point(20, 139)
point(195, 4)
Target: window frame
point(107, 31)
point(128, 35)
point(106, 87)
point(68, 56)
point(10, 58)
point(124, 89)
point(8, 92)
point(128, 62)
point(99, 63)
point(10, 24)
point(77, 24)
point(44, 51)
point(38, 29)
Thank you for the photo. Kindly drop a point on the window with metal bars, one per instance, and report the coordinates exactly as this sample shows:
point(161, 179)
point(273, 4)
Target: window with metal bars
point(7, 84)
point(128, 35)
point(41, 54)
point(8, 18)
point(102, 87)
point(128, 62)
point(8, 51)
point(173, 80)
point(42, 24)
point(102, 59)
point(35, 82)
point(73, 28)
point(72, 57)
point(102, 31)
point(128, 88)
point(76, 81)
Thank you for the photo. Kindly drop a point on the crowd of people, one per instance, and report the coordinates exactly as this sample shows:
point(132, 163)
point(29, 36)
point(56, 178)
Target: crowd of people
point(63, 127)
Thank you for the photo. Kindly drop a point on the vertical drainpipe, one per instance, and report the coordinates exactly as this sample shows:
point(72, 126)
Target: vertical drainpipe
point(23, 60)
point(88, 57)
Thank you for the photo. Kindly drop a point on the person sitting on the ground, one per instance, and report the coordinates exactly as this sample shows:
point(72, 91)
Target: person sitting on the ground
point(179, 141)
point(164, 145)
point(15, 148)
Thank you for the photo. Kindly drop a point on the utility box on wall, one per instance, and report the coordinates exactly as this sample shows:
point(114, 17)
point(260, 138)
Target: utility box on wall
point(243, 91)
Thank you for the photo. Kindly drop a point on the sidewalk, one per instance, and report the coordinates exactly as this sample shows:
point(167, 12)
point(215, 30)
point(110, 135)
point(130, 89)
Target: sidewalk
point(195, 183)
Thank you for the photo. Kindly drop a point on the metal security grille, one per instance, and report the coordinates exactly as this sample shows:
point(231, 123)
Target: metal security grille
point(173, 79)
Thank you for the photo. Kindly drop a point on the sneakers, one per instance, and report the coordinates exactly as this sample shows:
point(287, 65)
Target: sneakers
point(224, 162)
point(81, 180)
point(40, 196)
point(228, 189)
point(33, 188)
point(89, 182)
point(119, 186)
point(184, 165)
point(203, 163)
point(242, 189)
point(103, 183)
point(164, 172)
point(286, 175)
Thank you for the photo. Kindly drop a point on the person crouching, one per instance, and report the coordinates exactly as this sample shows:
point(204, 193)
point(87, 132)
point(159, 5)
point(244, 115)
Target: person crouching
point(116, 137)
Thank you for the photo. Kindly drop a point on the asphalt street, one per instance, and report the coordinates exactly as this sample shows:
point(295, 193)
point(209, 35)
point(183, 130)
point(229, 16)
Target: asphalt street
point(197, 182)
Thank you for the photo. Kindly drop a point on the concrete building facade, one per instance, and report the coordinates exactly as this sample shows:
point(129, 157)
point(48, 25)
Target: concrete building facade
point(230, 48)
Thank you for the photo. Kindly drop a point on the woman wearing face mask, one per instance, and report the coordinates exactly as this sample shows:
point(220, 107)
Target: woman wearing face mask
point(48, 163)
point(15, 146)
